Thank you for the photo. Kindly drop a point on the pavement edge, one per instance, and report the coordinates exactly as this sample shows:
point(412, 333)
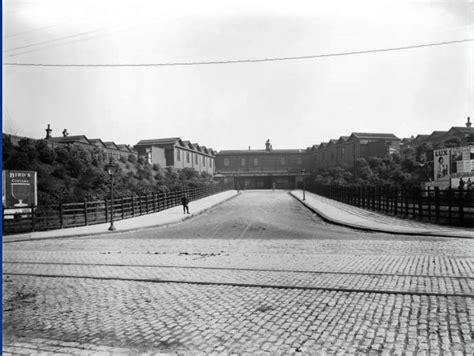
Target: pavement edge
point(368, 229)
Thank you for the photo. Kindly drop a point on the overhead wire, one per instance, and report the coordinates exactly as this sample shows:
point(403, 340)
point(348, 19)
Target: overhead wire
point(237, 61)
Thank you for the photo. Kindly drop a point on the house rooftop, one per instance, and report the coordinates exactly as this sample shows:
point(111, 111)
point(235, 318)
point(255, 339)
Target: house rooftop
point(371, 135)
point(243, 152)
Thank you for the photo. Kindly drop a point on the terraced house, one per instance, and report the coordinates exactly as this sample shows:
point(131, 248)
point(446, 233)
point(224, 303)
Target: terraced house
point(346, 150)
point(177, 153)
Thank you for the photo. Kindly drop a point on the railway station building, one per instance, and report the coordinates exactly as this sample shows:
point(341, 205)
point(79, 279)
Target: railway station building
point(263, 169)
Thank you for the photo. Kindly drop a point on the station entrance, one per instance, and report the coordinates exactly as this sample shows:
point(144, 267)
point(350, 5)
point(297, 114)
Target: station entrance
point(267, 181)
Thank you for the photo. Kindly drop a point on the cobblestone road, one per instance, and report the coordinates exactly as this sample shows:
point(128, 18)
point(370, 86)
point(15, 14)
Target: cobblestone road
point(258, 273)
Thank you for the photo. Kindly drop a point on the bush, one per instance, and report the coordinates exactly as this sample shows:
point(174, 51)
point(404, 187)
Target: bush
point(45, 153)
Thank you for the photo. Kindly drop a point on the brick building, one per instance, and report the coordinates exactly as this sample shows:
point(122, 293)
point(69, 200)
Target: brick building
point(263, 169)
point(175, 152)
point(421, 147)
point(346, 150)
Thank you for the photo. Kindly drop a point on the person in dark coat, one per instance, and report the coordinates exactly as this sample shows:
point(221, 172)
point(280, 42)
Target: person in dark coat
point(185, 202)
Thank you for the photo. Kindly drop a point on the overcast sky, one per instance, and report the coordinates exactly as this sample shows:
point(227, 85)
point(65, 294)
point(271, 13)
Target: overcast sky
point(294, 103)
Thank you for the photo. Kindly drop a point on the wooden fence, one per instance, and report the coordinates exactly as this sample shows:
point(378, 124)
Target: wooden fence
point(453, 207)
point(60, 216)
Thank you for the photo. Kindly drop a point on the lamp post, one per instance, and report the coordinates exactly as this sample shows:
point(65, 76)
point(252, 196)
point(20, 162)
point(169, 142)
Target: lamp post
point(111, 170)
point(303, 171)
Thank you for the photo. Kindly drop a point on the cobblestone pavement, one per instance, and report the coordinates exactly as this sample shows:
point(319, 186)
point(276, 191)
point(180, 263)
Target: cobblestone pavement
point(308, 280)
point(259, 273)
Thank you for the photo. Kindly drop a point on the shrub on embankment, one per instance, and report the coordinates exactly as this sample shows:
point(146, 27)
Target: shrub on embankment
point(393, 172)
point(73, 173)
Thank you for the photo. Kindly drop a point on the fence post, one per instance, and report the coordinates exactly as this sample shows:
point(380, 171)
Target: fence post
point(405, 199)
point(106, 210)
point(122, 201)
point(379, 199)
point(86, 219)
point(61, 216)
point(386, 193)
point(153, 196)
point(450, 204)
point(395, 201)
point(419, 195)
point(32, 217)
point(436, 190)
point(461, 204)
point(428, 202)
point(133, 205)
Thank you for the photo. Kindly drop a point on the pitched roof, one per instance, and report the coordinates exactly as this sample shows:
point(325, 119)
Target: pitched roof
point(462, 129)
point(71, 139)
point(111, 144)
point(157, 141)
point(312, 148)
point(372, 136)
point(97, 142)
point(437, 134)
point(419, 138)
point(342, 139)
point(124, 147)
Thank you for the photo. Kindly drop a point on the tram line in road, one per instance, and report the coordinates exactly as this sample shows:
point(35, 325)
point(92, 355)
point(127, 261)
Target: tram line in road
point(364, 282)
point(239, 269)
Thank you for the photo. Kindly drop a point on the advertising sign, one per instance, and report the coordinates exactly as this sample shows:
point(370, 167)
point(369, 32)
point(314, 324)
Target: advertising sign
point(19, 189)
point(441, 163)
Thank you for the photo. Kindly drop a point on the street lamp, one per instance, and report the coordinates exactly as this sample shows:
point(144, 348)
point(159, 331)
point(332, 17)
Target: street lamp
point(304, 190)
point(111, 170)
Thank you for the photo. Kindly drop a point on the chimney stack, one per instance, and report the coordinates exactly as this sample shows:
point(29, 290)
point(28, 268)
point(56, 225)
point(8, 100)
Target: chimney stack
point(48, 132)
point(468, 123)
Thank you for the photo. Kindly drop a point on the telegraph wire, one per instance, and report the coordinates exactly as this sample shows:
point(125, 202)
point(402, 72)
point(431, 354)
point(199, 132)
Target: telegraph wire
point(236, 61)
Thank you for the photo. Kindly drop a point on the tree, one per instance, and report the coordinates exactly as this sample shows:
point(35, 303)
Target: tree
point(45, 153)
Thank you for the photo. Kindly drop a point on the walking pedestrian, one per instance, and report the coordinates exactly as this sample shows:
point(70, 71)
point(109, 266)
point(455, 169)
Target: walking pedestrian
point(185, 202)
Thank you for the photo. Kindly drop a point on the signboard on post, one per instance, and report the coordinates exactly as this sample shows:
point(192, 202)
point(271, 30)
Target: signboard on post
point(441, 163)
point(19, 189)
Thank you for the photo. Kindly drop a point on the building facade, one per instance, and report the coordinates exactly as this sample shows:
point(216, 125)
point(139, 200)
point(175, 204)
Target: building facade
point(343, 152)
point(178, 154)
point(263, 169)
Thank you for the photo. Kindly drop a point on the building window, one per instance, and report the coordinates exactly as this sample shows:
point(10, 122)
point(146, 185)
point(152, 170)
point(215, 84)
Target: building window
point(204, 161)
point(187, 157)
point(342, 152)
point(226, 162)
point(255, 161)
point(242, 162)
point(178, 155)
point(196, 159)
point(282, 161)
point(210, 163)
point(299, 161)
